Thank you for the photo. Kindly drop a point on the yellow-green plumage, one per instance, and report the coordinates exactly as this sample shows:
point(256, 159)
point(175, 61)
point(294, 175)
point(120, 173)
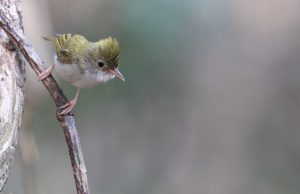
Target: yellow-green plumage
point(69, 49)
point(74, 48)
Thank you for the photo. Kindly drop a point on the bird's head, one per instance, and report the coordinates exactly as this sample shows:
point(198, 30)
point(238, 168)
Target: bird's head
point(106, 55)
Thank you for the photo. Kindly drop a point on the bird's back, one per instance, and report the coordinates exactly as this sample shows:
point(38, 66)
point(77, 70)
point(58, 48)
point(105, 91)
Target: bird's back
point(69, 47)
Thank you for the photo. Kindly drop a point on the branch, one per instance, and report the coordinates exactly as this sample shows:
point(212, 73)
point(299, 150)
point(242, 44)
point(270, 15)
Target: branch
point(67, 122)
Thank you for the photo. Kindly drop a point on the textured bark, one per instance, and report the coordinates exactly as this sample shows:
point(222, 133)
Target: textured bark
point(67, 121)
point(12, 77)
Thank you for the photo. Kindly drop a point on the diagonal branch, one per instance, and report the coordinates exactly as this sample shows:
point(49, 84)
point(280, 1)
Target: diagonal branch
point(67, 122)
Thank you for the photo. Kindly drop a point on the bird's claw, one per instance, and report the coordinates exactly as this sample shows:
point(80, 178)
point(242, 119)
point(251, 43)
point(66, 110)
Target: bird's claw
point(45, 73)
point(66, 108)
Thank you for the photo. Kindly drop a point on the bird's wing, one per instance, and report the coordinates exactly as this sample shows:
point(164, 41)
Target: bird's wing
point(69, 47)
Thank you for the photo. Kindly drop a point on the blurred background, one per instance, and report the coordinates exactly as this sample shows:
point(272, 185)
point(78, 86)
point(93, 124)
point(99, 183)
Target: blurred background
point(211, 102)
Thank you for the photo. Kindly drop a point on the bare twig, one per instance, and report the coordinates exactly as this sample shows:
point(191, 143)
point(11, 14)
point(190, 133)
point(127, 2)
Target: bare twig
point(67, 121)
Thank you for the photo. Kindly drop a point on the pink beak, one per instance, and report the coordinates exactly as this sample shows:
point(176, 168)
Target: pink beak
point(117, 73)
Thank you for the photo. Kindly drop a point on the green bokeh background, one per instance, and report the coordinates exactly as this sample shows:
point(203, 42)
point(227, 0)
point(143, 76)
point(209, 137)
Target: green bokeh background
point(210, 104)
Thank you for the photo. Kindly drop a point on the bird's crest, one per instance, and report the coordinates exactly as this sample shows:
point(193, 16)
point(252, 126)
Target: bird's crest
point(109, 48)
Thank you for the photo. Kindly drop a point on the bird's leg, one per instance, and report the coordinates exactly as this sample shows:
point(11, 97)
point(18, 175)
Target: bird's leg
point(45, 73)
point(70, 105)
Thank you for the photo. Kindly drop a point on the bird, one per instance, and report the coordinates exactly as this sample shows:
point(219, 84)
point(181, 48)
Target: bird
point(82, 63)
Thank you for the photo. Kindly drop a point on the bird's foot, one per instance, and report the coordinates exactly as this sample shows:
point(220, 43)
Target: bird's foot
point(46, 73)
point(68, 107)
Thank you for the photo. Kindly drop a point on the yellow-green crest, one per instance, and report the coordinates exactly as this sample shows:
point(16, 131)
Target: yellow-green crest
point(109, 49)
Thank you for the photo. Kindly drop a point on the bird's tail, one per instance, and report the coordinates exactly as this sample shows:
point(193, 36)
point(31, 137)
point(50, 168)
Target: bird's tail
point(51, 39)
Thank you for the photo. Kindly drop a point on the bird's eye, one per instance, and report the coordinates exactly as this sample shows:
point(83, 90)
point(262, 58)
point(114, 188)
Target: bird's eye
point(100, 63)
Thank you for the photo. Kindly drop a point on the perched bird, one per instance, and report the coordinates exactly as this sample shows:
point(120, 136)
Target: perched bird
point(83, 64)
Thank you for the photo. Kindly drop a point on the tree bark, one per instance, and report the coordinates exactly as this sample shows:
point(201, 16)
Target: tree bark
point(12, 78)
point(67, 122)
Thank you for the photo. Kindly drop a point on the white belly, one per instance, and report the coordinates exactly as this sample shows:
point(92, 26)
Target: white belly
point(71, 74)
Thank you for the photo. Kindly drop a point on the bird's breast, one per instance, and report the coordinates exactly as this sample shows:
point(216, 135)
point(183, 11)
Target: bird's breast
point(71, 73)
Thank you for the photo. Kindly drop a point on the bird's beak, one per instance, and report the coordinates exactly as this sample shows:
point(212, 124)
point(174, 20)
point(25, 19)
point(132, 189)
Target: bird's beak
point(117, 73)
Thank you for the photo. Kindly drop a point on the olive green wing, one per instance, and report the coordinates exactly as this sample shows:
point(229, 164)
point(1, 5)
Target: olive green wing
point(69, 48)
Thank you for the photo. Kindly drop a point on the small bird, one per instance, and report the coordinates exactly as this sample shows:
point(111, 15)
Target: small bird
point(83, 64)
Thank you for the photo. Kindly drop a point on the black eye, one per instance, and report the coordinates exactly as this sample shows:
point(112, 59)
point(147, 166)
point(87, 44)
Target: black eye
point(100, 64)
